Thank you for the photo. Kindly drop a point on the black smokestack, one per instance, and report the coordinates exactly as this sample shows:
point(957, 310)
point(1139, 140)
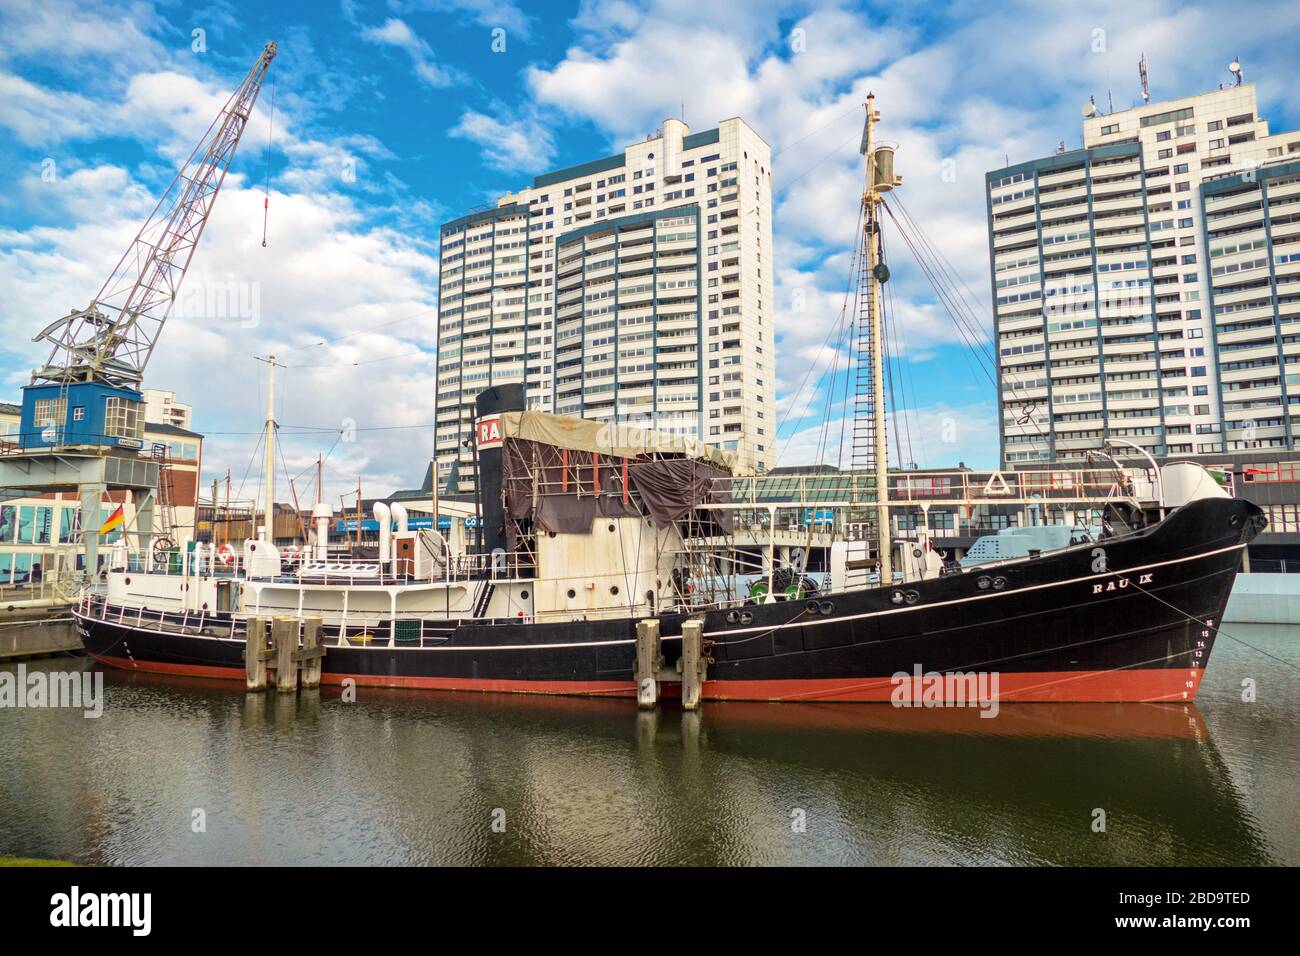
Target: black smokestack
point(489, 404)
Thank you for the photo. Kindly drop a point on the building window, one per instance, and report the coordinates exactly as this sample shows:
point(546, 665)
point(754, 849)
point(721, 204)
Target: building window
point(122, 418)
point(49, 411)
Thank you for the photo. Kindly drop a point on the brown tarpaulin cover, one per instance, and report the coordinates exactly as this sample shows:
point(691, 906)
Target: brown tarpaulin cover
point(671, 487)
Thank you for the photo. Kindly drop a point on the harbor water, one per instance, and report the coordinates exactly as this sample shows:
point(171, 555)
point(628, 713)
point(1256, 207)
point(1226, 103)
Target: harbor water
point(196, 772)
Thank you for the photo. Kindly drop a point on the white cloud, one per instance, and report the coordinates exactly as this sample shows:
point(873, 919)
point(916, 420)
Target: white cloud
point(511, 145)
point(398, 34)
point(43, 118)
point(65, 29)
point(486, 13)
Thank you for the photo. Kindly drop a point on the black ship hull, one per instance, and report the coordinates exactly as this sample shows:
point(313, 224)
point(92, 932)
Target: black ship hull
point(1125, 619)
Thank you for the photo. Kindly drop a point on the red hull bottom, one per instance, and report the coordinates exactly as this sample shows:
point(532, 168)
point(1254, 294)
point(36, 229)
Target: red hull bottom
point(1139, 685)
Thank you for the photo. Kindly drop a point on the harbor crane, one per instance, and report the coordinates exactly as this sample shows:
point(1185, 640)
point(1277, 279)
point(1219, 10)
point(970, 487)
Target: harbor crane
point(82, 417)
point(110, 340)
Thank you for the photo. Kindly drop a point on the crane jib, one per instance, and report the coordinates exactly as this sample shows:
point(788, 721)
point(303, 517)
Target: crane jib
point(111, 340)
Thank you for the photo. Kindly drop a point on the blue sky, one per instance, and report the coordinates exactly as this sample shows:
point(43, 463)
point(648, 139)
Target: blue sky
point(393, 115)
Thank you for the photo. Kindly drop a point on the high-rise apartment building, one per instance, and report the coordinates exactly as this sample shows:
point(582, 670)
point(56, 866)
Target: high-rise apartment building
point(634, 289)
point(1147, 286)
point(162, 408)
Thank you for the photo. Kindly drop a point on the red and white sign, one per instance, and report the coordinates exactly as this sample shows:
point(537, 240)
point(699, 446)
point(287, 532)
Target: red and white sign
point(489, 432)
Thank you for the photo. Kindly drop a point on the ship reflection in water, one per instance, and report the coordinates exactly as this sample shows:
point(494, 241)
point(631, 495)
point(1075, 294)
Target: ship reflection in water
point(404, 777)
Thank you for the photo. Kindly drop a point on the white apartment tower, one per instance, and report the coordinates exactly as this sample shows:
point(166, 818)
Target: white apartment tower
point(1147, 286)
point(634, 289)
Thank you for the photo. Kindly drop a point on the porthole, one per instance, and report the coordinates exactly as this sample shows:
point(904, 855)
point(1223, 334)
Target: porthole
point(550, 534)
point(612, 527)
point(732, 617)
point(572, 594)
point(126, 580)
point(614, 589)
point(523, 595)
point(811, 607)
point(983, 583)
point(746, 617)
point(999, 583)
point(826, 607)
point(912, 597)
point(896, 597)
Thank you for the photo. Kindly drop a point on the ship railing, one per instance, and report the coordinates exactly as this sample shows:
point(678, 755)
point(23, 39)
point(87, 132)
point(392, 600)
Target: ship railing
point(853, 489)
point(185, 563)
point(358, 629)
point(200, 622)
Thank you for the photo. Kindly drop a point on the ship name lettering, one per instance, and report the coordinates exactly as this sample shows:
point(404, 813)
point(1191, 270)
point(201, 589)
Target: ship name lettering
point(1119, 585)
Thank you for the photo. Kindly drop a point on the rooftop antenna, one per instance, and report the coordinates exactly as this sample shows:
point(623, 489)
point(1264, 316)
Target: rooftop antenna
point(1235, 69)
point(1142, 73)
point(1110, 100)
point(1090, 108)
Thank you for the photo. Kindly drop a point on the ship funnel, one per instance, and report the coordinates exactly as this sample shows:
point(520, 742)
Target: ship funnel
point(385, 519)
point(489, 440)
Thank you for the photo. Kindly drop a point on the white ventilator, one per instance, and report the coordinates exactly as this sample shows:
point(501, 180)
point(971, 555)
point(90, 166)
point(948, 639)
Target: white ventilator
point(384, 516)
point(321, 513)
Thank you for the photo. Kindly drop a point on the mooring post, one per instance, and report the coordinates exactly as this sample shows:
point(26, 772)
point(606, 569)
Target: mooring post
point(254, 653)
point(284, 633)
point(692, 663)
point(647, 663)
point(312, 651)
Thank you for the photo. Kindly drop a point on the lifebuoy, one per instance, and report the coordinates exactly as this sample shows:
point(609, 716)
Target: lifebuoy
point(226, 555)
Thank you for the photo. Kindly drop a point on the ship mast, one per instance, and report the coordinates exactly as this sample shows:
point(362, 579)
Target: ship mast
point(268, 462)
point(880, 179)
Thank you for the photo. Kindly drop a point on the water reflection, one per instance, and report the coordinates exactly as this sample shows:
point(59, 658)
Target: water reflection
point(409, 777)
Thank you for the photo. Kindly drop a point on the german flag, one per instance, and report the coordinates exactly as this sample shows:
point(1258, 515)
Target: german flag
point(115, 521)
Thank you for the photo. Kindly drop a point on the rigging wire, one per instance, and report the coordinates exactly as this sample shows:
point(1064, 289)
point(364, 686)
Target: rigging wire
point(356, 332)
point(857, 108)
point(266, 192)
point(251, 458)
point(909, 378)
point(386, 358)
point(848, 291)
point(968, 327)
point(894, 371)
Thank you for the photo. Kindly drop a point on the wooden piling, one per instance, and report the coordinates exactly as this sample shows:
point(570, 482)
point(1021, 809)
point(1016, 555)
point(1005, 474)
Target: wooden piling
point(284, 635)
point(312, 651)
point(255, 654)
point(692, 663)
point(648, 661)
